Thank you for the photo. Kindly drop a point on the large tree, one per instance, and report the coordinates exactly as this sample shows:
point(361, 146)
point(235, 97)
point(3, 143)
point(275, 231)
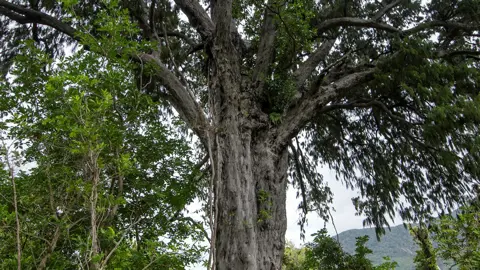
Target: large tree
point(99, 192)
point(383, 92)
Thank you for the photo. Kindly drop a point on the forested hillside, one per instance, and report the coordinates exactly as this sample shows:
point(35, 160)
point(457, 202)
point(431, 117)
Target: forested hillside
point(398, 244)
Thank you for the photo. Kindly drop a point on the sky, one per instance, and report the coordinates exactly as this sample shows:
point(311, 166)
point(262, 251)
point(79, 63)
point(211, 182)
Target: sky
point(344, 215)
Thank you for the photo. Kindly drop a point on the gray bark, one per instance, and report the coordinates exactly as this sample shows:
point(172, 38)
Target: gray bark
point(251, 195)
point(251, 173)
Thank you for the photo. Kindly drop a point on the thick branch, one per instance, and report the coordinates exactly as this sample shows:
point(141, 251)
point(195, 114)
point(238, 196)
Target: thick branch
point(139, 11)
point(307, 67)
point(297, 117)
point(446, 54)
point(356, 22)
point(385, 9)
point(182, 99)
point(25, 15)
point(14, 16)
point(222, 17)
point(434, 24)
point(197, 17)
point(266, 49)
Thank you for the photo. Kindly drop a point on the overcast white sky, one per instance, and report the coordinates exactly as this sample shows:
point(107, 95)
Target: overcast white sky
point(344, 216)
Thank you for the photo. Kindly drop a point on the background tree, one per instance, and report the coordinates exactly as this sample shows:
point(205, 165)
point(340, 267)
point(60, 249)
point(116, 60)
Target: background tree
point(293, 258)
point(425, 257)
point(324, 252)
point(458, 237)
point(383, 92)
point(101, 193)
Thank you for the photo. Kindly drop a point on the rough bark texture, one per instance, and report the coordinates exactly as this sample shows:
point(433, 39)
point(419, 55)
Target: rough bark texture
point(250, 174)
point(251, 198)
point(251, 179)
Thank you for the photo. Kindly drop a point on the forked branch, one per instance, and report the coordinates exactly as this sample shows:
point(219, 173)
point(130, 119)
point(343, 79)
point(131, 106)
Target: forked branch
point(181, 98)
point(197, 16)
point(24, 15)
point(298, 116)
point(306, 68)
point(266, 48)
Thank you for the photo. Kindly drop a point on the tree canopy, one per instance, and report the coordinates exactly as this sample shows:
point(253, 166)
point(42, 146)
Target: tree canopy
point(385, 93)
point(458, 237)
point(100, 190)
point(324, 252)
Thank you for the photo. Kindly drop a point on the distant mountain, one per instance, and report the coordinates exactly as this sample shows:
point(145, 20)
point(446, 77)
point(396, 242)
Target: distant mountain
point(397, 244)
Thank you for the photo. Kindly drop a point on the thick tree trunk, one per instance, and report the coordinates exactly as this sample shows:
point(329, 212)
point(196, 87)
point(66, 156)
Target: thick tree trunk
point(250, 175)
point(251, 194)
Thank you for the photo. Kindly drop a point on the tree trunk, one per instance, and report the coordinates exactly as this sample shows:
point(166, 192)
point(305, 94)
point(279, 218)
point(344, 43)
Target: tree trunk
point(250, 192)
point(93, 171)
point(251, 198)
point(50, 248)
point(250, 174)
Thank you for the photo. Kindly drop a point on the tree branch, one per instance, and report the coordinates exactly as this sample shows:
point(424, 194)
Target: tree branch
point(385, 9)
point(51, 247)
point(266, 48)
point(222, 17)
point(443, 54)
point(25, 15)
point(181, 98)
point(298, 116)
point(140, 11)
point(11, 170)
point(197, 17)
point(117, 244)
point(14, 16)
point(307, 67)
point(355, 22)
point(358, 22)
point(367, 104)
point(179, 35)
point(433, 24)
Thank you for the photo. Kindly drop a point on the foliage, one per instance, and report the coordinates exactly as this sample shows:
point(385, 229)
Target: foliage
point(326, 253)
point(425, 258)
point(82, 116)
point(293, 258)
point(458, 237)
